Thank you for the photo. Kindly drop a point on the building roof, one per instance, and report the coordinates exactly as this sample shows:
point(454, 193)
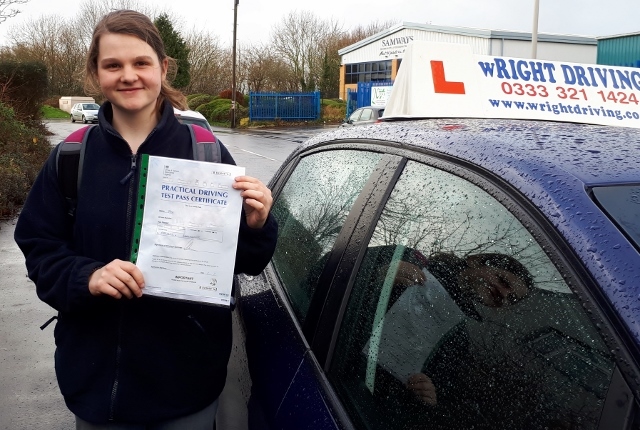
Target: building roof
point(615, 36)
point(472, 32)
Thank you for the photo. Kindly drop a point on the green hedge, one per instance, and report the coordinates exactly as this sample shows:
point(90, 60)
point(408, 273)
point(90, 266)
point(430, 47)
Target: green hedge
point(200, 100)
point(191, 96)
point(216, 110)
point(23, 150)
point(24, 87)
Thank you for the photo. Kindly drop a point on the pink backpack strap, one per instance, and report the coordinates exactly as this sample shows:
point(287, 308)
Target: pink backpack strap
point(205, 144)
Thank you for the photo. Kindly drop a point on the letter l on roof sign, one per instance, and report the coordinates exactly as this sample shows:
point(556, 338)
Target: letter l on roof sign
point(440, 83)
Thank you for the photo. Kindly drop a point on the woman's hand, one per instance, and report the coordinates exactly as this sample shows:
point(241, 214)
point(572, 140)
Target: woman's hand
point(117, 279)
point(422, 386)
point(257, 200)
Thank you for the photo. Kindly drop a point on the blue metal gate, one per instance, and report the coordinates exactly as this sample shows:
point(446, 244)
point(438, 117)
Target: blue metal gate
point(352, 101)
point(284, 106)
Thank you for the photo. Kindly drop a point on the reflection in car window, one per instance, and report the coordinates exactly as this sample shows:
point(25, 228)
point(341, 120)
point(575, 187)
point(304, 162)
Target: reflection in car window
point(310, 211)
point(458, 319)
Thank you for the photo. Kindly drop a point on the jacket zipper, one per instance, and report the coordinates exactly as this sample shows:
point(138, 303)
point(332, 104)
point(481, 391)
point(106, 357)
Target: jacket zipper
point(114, 388)
point(127, 178)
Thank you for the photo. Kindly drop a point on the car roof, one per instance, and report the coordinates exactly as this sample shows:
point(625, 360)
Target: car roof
point(552, 164)
point(593, 154)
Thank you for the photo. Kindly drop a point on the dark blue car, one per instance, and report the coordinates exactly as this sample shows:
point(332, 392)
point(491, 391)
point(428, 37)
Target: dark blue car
point(451, 273)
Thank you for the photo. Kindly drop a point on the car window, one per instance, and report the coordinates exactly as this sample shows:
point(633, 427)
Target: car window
point(311, 210)
point(91, 106)
point(622, 204)
point(366, 115)
point(355, 115)
point(458, 319)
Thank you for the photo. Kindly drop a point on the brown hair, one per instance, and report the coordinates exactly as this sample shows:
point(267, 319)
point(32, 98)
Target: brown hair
point(135, 24)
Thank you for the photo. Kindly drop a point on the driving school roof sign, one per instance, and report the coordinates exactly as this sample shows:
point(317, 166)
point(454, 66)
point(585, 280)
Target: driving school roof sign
point(439, 80)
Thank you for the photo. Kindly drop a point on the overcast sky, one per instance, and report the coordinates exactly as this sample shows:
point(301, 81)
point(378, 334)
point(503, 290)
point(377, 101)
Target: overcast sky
point(257, 17)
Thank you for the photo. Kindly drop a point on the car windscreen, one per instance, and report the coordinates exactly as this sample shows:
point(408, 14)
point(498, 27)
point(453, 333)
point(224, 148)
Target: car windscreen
point(622, 204)
point(90, 107)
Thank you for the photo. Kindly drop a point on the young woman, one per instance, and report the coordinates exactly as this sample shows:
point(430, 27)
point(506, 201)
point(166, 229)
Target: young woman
point(123, 359)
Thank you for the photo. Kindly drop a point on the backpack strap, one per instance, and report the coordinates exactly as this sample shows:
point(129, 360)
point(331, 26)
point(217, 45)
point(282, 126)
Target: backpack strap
point(205, 144)
point(69, 162)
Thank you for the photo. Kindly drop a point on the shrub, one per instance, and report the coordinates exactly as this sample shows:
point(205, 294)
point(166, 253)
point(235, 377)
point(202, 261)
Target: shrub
point(333, 112)
point(240, 99)
point(217, 110)
point(23, 150)
point(24, 87)
point(191, 96)
point(200, 100)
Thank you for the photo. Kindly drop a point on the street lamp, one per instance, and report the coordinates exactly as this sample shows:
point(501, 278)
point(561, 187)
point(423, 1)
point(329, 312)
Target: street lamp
point(534, 33)
point(233, 67)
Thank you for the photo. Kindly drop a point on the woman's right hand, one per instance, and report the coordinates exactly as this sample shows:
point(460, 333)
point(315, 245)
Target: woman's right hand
point(117, 279)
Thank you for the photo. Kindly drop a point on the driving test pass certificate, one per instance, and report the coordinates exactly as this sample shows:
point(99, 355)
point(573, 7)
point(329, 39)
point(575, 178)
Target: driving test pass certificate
point(187, 229)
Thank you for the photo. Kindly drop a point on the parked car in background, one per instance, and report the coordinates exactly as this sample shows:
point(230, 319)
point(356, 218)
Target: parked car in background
point(192, 117)
point(85, 112)
point(364, 116)
point(452, 273)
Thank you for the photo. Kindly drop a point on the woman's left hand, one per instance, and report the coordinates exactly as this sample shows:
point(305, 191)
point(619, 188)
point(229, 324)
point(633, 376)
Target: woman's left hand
point(257, 200)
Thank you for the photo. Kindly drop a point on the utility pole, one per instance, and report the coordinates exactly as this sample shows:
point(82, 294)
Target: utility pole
point(233, 67)
point(534, 33)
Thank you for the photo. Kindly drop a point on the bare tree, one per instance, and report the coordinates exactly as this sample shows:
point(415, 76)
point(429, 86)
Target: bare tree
point(92, 11)
point(263, 70)
point(301, 39)
point(361, 32)
point(53, 41)
point(5, 12)
point(210, 71)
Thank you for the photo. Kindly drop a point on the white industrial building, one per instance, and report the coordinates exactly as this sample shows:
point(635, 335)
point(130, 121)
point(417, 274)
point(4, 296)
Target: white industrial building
point(377, 58)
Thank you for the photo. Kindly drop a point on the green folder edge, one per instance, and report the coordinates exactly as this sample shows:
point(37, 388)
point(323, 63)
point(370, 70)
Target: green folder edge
point(142, 190)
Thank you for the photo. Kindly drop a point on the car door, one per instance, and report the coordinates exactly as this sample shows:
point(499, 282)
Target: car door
point(326, 358)
point(411, 335)
point(318, 200)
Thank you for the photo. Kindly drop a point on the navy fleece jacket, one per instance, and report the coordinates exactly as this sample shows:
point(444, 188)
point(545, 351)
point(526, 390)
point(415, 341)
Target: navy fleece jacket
point(138, 360)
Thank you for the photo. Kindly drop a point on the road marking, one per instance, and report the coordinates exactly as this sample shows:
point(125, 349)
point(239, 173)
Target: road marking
point(254, 153)
point(259, 155)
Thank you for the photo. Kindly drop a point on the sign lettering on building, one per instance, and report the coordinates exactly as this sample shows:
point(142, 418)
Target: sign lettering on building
point(394, 46)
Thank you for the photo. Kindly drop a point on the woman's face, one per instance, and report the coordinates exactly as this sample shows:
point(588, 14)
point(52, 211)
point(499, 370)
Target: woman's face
point(129, 73)
point(494, 287)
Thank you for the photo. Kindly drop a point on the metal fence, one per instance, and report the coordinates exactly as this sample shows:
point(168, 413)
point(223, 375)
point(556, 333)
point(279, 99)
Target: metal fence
point(352, 101)
point(284, 106)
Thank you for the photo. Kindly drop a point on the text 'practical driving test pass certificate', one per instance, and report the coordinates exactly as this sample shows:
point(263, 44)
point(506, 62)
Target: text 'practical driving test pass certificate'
point(187, 224)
